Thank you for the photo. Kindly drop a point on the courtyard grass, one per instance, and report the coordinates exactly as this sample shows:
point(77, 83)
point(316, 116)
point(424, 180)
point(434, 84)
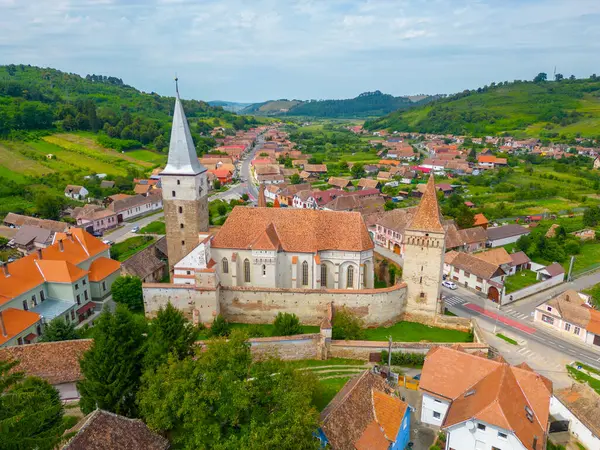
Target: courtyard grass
point(265, 328)
point(583, 377)
point(156, 227)
point(520, 280)
point(129, 247)
point(327, 390)
point(416, 332)
point(587, 259)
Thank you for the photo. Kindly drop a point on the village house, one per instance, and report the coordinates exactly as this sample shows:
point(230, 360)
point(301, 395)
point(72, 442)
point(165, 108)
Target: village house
point(149, 265)
point(315, 169)
point(107, 184)
point(339, 183)
point(13, 220)
point(578, 405)
point(366, 414)
point(287, 194)
point(270, 179)
point(315, 199)
point(490, 162)
point(127, 207)
point(470, 271)
point(94, 218)
point(466, 240)
point(571, 314)
point(76, 192)
point(507, 234)
point(484, 403)
point(66, 279)
point(366, 183)
point(480, 220)
point(225, 176)
point(29, 238)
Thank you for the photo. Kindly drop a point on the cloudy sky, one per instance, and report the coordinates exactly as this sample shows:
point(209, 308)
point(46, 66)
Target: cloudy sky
point(308, 49)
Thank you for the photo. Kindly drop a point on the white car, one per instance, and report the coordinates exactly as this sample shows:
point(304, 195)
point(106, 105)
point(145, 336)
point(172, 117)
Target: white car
point(135, 229)
point(449, 284)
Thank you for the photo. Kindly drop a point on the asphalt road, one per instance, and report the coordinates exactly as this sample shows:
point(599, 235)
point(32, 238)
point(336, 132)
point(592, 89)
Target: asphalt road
point(120, 234)
point(520, 325)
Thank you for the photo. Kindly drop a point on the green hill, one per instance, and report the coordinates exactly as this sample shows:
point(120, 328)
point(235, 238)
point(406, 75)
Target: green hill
point(549, 109)
point(367, 104)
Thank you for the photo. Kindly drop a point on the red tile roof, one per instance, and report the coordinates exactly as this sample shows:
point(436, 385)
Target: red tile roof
point(16, 321)
point(427, 215)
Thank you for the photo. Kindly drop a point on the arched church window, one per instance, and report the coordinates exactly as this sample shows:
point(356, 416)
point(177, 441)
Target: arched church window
point(247, 271)
point(323, 275)
point(304, 273)
point(350, 277)
point(225, 265)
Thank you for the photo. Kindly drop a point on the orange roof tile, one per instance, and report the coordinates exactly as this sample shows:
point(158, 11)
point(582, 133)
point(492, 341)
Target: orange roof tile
point(103, 267)
point(16, 321)
point(427, 216)
point(269, 240)
point(59, 271)
point(480, 219)
point(389, 412)
point(372, 438)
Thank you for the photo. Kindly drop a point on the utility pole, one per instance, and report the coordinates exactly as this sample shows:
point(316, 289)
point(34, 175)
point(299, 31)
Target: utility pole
point(570, 268)
point(497, 314)
point(389, 355)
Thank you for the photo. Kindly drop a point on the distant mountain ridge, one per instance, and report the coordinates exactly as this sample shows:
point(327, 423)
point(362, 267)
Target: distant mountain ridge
point(365, 105)
point(229, 106)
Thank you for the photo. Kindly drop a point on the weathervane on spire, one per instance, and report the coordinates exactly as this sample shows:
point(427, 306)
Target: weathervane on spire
point(176, 84)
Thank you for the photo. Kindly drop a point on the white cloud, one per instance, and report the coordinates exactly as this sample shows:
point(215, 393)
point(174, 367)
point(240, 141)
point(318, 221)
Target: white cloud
point(235, 49)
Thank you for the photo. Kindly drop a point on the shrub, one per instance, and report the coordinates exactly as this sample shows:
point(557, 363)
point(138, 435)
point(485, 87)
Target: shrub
point(128, 291)
point(346, 325)
point(404, 359)
point(286, 324)
point(572, 248)
point(255, 331)
point(220, 327)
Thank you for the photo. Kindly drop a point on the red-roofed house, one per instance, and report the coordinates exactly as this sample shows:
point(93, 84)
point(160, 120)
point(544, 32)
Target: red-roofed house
point(223, 175)
point(66, 279)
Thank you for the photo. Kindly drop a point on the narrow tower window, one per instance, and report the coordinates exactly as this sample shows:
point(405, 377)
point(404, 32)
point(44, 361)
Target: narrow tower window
point(247, 271)
point(323, 275)
point(182, 243)
point(264, 270)
point(304, 273)
point(350, 277)
point(180, 210)
point(225, 265)
point(173, 193)
point(181, 225)
point(178, 182)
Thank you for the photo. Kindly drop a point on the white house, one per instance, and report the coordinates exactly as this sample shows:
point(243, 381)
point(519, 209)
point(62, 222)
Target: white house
point(578, 405)
point(572, 315)
point(482, 403)
point(130, 206)
point(473, 272)
point(507, 234)
point(76, 192)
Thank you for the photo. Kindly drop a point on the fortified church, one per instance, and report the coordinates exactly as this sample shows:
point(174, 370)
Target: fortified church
point(263, 261)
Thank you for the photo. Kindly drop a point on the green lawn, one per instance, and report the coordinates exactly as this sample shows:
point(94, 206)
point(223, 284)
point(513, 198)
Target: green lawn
point(267, 329)
point(507, 339)
point(416, 332)
point(308, 363)
point(129, 247)
point(328, 389)
point(582, 377)
point(148, 156)
point(520, 280)
point(156, 227)
point(588, 258)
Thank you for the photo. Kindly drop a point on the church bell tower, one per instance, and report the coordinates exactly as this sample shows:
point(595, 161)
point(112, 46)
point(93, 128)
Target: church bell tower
point(184, 189)
point(424, 240)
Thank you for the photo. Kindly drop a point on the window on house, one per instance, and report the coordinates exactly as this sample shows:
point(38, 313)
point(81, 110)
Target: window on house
point(178, 182)
point(420, 280)
point(188, 272)
point(437, 401)
point(467, 274)
point(479, 280)
point(247, 271)
point(20, 341)
point(548, 308)
point(456, 269)
point(76, 286)
point(481, 427)
point(225, 265)
point(567, 327)
point(547, 319)
point(422, 295)
point(84, 282)
point(78, 299)
point(350, 277)
point(264, 270)
point(576, 331)
point(104, 285)
point(72, 314)
point(502, 435)
point(85, 295)
point(42, 296)
point(437, 415)
point(304, 273)
point(172, 193)
point(25, 305)
point(33, 301)
point(323, 275)
point(180, 210)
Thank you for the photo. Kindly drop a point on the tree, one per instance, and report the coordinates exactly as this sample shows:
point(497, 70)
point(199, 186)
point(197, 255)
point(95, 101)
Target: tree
point(245, 197)
point(222, 209)
point(591, 216)
point(220, 327)
point(31, 413)
point(59, 330)
point(540, 77)
point(112, 367)
point(127, 290)
point(3, 241)
point(286, 324)
point(358, 170)
point(216, 184)
point(223, 399)
point(295, 179)
point(558, 77)
point(465, 217)
point(49, 206)
point(169, 333)
point(346, 325)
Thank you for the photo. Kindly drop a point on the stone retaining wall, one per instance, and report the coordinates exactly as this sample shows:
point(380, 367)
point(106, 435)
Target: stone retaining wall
point(362, 349)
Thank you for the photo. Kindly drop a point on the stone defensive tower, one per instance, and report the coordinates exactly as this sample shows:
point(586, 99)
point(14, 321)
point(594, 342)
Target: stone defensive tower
point(424, 240)
point(185, 190)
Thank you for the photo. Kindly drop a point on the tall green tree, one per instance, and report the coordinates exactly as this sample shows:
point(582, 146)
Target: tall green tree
point(222, 399)
point(127, 290)
point(30, 411)
point(112, 367)
point(170, 333)
point(358, 170)
point(49, 206)
point(59, 330)
point(295, 179)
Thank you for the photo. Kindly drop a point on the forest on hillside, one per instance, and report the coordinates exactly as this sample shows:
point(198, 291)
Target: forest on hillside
point(559, 109)
point(34, 99)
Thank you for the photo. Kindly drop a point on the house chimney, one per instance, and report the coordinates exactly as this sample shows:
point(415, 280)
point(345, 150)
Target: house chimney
point(5, 270)
point(567, 298)
point(39, 253)
point(61, 246)
point(2, 326)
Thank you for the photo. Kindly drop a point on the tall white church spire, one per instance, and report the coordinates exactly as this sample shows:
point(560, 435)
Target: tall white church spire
point(182, 152)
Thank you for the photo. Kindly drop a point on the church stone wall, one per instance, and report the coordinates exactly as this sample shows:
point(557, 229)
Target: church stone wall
point(256, 305)
point(185, 298)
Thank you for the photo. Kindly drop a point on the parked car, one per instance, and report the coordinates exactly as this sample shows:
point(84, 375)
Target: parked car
point(135, 229)
point(449, 284)
point(107, 242)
